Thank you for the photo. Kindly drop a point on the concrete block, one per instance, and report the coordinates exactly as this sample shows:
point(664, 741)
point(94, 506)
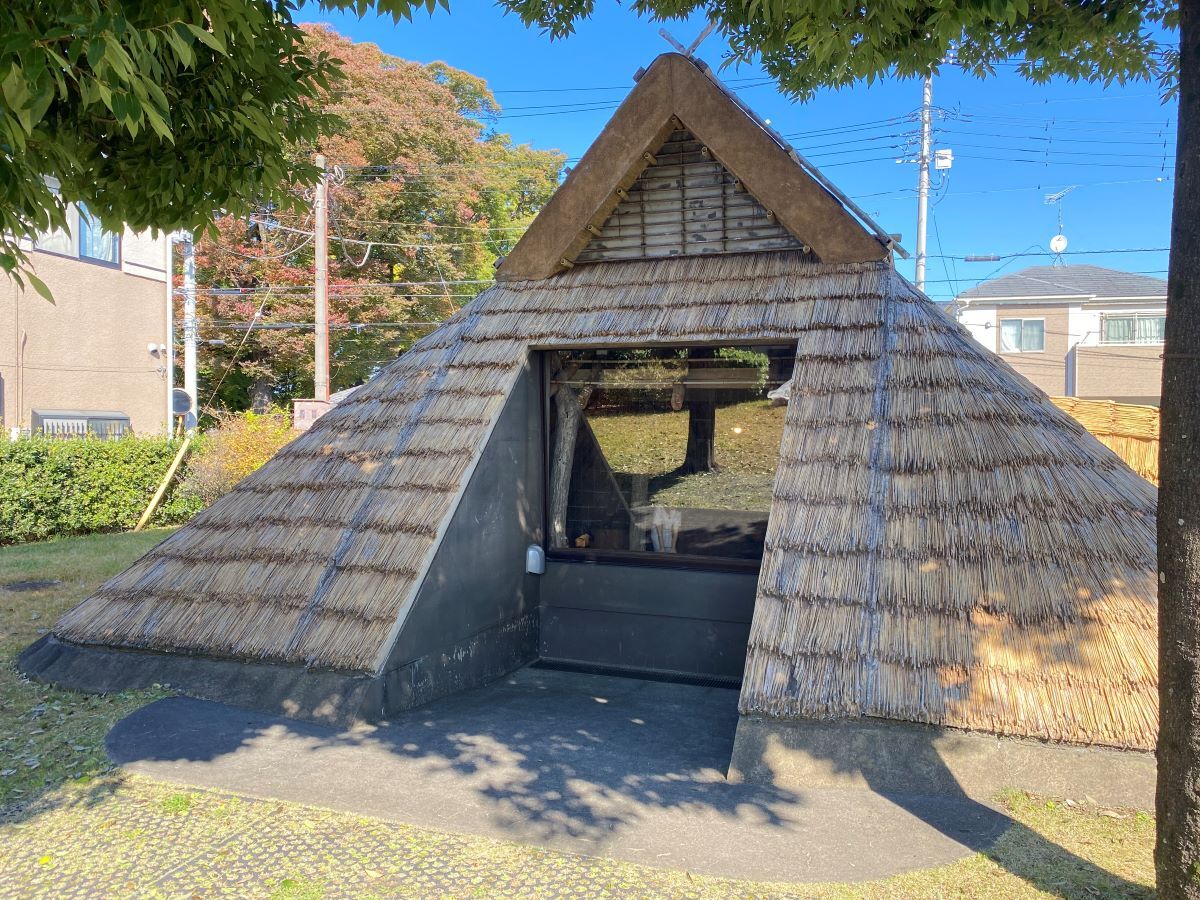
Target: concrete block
point(902, 758)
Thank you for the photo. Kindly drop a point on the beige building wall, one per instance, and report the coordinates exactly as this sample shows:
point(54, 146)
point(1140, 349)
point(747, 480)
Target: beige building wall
point(1121, 372)
point(1048, 369)
point(88, 349)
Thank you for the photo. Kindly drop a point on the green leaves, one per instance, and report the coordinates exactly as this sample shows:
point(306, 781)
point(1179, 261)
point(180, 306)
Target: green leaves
point(156, 115)
point(807, 44)
point(50, 488)
point(206, 37)
point(40, 286)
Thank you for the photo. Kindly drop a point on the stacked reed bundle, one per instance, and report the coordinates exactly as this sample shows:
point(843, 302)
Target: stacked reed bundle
point(1129, 430)
point(946, 546)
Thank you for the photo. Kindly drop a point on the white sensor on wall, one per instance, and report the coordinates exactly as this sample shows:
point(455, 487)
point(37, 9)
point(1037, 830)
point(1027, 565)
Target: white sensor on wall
point(535, 560)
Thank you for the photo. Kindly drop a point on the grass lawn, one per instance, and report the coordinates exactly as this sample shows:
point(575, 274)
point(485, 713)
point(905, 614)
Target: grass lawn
point(49, 735)
point(748, 437)
point(69, 826)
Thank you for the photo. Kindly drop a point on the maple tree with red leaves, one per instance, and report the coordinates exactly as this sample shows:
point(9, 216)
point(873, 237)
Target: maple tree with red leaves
point(419, 166)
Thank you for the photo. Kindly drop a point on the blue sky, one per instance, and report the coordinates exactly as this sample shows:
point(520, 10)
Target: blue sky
point(1013, 142)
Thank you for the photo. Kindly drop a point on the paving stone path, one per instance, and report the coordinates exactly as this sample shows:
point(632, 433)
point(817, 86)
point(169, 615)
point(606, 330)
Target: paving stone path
point(127, 836)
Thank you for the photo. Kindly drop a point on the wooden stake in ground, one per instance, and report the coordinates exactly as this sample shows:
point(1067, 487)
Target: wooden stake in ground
point(166, 482)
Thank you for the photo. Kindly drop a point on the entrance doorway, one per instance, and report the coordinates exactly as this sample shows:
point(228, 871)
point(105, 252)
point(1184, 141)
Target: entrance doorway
point(660, 467)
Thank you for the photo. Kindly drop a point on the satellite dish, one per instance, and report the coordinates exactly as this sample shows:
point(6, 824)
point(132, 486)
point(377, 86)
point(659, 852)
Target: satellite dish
point(1058, 243)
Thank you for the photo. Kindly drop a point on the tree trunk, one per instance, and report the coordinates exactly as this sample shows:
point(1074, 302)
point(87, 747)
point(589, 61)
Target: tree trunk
point(260, 395)
point(701, 454)
point(1177, 849)
point(562, 459)
point(570, 413)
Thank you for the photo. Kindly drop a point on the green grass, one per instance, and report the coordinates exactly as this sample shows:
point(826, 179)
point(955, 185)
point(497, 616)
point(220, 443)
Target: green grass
point(298, 888)
point(49, 735)
point(177, 804)
point(1054, 849)
point(654, 443)
point(81, 564)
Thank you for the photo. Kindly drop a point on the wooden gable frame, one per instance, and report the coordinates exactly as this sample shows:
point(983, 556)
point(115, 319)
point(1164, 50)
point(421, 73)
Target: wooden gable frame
point(675, 91)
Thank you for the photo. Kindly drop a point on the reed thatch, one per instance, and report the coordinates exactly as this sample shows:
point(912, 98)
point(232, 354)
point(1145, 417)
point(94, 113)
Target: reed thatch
point(1127, 429)
point(945, 545)
point(315, 558)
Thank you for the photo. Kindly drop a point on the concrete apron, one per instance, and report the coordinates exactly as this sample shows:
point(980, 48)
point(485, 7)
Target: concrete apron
point(595, 765)
point(900, 758)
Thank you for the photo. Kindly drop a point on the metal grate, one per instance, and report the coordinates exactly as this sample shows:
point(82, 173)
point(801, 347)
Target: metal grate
point(686, 202)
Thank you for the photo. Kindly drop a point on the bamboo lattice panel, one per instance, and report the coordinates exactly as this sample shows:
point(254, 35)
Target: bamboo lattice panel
point(1129, 430)
point(686, 202)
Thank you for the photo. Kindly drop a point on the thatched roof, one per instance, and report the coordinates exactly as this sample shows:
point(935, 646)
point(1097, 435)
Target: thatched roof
point(944, 546)
point(947, 546)
point(315, 557)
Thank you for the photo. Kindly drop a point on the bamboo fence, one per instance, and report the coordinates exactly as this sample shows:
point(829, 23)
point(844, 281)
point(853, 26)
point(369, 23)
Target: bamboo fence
point(1129, 430)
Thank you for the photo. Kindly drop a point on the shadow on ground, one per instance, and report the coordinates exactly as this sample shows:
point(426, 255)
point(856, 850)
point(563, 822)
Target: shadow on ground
point(599, 765)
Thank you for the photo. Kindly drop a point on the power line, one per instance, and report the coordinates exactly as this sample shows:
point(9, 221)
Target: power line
point(1148, 272)
point(1053, 162)
point(993, 258)
point(233, 325)
point(1039, 187)
point(1067, 120)
point(618, 87)
point(1051, 139)
point(236, 353)
point(1047, 151)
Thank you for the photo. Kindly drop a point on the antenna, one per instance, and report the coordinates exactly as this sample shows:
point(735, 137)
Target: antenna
point(1058, 243)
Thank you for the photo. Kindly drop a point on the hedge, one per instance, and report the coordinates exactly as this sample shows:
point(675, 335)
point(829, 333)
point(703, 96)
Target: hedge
point(60, 487)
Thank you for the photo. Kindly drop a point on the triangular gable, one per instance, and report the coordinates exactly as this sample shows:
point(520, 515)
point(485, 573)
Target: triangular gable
point(674, 94)
point(686, 202)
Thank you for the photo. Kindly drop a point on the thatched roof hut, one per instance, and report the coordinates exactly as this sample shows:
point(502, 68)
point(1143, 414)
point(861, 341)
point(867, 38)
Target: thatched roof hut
point(943, 544)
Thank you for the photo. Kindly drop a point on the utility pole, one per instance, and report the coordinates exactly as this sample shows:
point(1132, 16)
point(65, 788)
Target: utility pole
point(923, 177)
point(321, 255)
point(168, 355)
point(189, 330)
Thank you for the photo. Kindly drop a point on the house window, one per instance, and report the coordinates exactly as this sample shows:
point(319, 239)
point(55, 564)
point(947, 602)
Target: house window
point(94, 242)
point(1134, 329)
point(60, 241)
point(56, 242)
point(663, 455)
point(1022, 335)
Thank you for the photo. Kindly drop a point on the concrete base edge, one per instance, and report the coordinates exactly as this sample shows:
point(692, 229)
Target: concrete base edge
point(902, 758)
point(330, 698)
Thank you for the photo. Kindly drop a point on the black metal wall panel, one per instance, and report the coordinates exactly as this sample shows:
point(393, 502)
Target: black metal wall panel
point(641, 617)
point(475, 615)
